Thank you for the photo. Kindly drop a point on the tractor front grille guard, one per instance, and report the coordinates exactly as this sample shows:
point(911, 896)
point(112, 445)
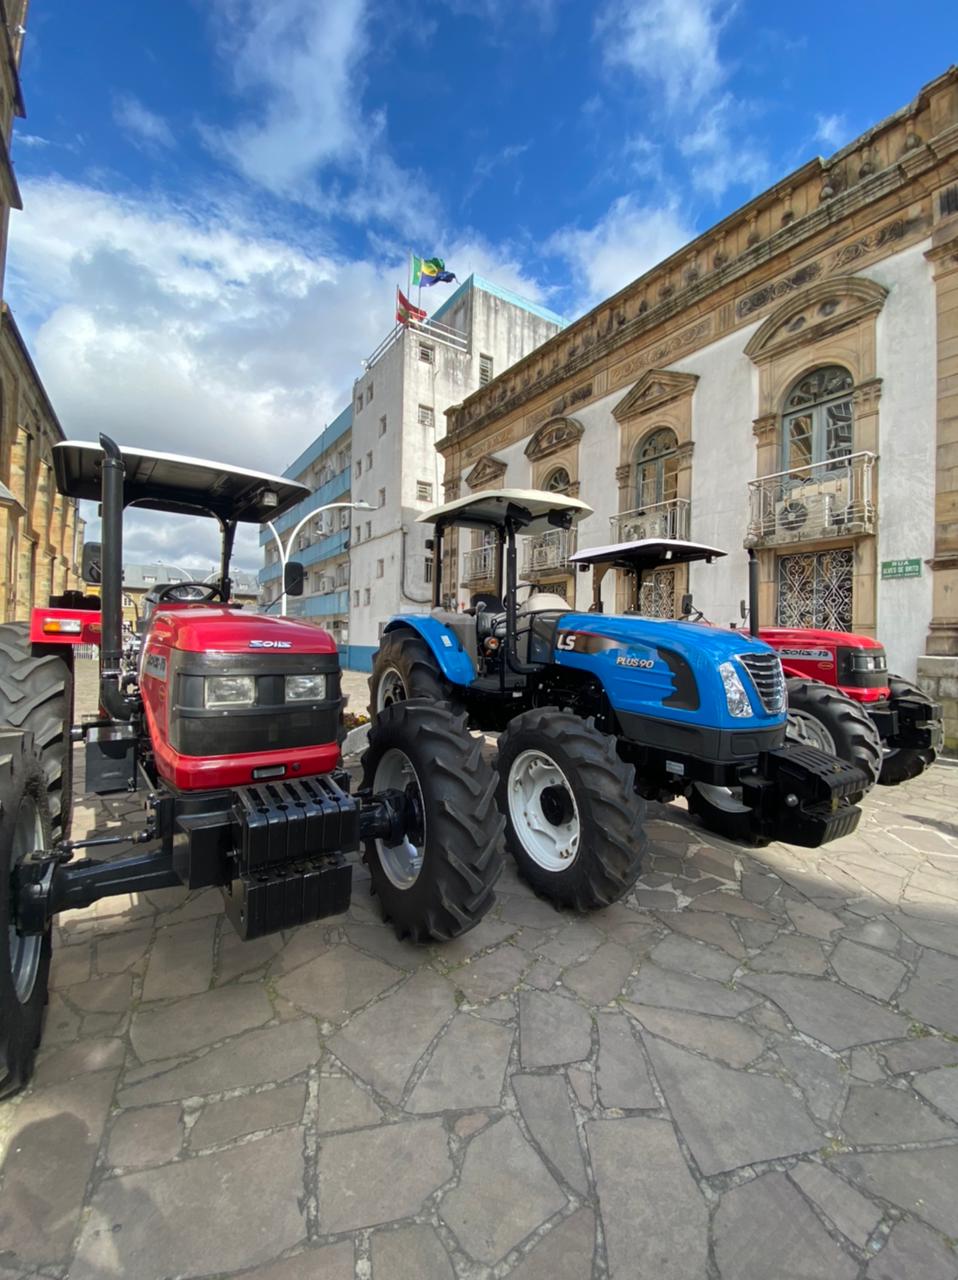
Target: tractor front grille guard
point(765, 672)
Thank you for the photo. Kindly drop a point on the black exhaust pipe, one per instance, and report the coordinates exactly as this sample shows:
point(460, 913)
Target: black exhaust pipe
point(753, 621)
point(111, 582)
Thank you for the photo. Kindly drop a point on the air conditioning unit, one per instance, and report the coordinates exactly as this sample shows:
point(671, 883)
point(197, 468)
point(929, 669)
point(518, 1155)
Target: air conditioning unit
point(326, 585)
point(791, 516)
point(816, 507)
point(655, 525)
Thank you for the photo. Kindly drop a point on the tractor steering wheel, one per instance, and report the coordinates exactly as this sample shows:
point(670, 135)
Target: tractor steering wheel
point(189, 593)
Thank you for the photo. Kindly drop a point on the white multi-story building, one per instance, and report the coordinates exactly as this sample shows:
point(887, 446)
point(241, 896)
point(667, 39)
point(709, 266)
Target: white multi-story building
point(398, 411)
point(322, 544)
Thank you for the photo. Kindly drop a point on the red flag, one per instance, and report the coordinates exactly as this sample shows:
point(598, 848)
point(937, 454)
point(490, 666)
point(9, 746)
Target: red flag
point(405, 311)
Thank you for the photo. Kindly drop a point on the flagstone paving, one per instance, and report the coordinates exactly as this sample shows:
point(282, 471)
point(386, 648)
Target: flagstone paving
point(748, 1069)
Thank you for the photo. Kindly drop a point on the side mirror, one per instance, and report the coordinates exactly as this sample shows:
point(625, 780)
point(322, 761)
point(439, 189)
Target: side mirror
point(294, 578)
point(90, 567)
point(743, 610)
point(685, 605)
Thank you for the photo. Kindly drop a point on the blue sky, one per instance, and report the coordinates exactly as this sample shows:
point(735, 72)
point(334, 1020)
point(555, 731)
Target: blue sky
point(220, 195)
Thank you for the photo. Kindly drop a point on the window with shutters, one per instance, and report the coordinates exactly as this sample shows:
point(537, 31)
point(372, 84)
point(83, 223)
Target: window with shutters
point(423, 491)
point(485, 370)
point(817, 419)
point(427, 416)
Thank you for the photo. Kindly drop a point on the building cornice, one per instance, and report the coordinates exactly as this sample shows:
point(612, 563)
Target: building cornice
point(761, 231)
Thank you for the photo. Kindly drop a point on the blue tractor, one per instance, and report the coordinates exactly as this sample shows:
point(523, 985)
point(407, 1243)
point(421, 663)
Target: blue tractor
point(597, 713)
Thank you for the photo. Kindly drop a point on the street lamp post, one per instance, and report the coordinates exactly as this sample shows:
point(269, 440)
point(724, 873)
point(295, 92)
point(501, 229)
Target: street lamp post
point(310, 515)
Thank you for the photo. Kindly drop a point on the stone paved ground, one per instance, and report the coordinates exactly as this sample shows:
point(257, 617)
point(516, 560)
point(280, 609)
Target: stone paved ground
point(746, 1071)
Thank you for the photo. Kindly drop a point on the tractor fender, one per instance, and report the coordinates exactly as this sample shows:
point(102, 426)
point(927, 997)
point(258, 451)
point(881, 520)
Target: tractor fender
point(446, 647)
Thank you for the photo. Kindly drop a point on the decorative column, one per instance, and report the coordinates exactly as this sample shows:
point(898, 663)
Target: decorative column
point(767, 462)
point(623, 478)
point(938, 671)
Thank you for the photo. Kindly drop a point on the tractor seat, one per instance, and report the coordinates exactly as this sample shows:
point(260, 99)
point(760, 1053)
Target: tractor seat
point(544, 602)
point(541, 602)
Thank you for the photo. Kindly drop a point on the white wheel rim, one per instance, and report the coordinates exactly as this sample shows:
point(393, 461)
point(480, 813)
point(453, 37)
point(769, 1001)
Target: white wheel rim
point(391, 688)
point(810, 731)
point(543, 811)
point(401, 862)
point(728, 799)
point(24, 950)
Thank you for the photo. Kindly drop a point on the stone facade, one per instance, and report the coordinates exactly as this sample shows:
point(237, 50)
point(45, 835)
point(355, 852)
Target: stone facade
point(789, 380)
point(40, 531)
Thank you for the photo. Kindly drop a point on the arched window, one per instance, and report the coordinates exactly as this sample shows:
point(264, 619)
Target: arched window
point(817, 419)
point(656, 468)
point(557, 481)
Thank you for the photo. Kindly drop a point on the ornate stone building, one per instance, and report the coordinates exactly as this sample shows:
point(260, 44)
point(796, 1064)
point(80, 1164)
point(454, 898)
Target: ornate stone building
point(40, 532)
point(787, 382)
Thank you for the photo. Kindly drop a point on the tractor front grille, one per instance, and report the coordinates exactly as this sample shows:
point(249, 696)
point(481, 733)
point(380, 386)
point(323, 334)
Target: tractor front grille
point(765, 670)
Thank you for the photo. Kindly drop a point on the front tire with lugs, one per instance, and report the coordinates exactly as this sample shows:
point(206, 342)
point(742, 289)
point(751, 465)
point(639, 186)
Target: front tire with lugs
point(574, 823)
point(438, 882)
point(24, 960)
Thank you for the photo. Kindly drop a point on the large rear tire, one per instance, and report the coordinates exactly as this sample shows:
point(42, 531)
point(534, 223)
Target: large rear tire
point(820, 716)
point(901, 764)
point(405, 667)
point(574, 823)
point(24, 961)
point(36, 695)
point(439, 880)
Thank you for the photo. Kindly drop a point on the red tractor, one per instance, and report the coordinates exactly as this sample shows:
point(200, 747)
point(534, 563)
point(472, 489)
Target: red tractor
point(907, 721)
point(230, 730)
point(841, 698)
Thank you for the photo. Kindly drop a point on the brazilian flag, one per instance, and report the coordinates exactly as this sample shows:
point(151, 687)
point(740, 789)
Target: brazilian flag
point(426, 271)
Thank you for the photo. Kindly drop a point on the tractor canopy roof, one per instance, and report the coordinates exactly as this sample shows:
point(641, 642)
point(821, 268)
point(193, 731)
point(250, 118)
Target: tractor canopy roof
point(169, 482)
point(646, 553)
point(535, 509)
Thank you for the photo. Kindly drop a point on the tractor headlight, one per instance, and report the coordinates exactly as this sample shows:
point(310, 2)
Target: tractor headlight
point(305, 688)
point(735, 695)
point(861, 661)
point(229, 691)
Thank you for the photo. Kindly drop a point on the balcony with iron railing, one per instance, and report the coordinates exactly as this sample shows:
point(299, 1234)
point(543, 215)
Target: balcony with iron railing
point(833, 499)
point(657, 520)
point(479, 565)
point(546, 553)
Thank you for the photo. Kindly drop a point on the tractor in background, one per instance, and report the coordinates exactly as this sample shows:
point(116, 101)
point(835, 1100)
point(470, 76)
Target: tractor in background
point(229, 730)
point(598, 713)
point(908, 722)
point(841, 697)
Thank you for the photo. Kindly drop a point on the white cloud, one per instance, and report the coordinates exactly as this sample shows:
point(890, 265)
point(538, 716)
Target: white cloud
point(303, 133)
point(174, 330)
point(32, 140)
point(144, 126)
point(193, 331)
point(300, 60)
point(671, 45)
point(629, 240)
point(832, 130)
point(721, 155)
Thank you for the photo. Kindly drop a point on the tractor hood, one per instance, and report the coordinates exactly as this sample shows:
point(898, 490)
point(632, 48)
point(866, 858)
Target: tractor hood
point(218, 629)
point(659, 668)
